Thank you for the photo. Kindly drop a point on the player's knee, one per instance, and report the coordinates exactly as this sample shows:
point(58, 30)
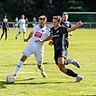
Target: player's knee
point(61, 61)
point(23, 58)
point(61, 67)
point(39, 62)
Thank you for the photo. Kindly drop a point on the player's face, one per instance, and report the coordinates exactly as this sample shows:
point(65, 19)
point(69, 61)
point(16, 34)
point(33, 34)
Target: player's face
point(22, 16)
point(42, 22)
point(65, 17)
point(55, 23)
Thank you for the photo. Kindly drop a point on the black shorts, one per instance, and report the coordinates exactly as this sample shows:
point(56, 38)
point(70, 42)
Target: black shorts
point(4, 29)
point(60, 53)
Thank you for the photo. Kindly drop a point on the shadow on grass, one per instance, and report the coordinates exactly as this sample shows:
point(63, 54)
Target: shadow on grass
point(40, 83)
point(28, 64)
point(3, 85)
point(26, 79)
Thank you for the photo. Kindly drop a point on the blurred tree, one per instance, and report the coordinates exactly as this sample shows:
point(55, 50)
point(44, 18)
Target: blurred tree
point(34, 8)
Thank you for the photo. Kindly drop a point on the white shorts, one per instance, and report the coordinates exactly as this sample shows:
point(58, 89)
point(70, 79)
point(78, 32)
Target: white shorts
point(29, 50)
point(16, 25)
point(22, 29)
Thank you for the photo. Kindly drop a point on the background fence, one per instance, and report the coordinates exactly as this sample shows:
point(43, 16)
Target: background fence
point(86, 24)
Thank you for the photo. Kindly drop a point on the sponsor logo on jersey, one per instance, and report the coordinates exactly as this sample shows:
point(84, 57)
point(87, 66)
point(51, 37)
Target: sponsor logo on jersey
point(38, 34)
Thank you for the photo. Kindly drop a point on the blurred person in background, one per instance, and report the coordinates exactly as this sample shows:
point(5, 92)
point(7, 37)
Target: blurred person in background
point(4, 26)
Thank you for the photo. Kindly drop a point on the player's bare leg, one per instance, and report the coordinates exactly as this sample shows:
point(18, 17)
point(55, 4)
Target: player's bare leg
point(17, 35)
point(24, 35)
point(61, 65)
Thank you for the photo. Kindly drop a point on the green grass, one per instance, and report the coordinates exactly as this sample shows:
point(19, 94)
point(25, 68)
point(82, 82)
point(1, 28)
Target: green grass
point(30, 83)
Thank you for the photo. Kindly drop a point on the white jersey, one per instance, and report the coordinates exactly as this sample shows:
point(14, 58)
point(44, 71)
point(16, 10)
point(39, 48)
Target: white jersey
point(5, 20)
point(38, 33)
point(22, 23)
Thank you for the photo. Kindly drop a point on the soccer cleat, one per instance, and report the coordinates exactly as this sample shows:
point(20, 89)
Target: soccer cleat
point(75, 63)
point(44, 75)
point(79, 78)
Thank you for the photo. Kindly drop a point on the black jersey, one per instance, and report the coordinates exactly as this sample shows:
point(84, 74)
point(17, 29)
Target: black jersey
point(66, 25)
point(5, 25)
point(58, 36)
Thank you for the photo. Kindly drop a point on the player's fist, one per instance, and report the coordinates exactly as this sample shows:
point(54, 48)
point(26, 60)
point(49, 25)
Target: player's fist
point(39, 40)
point(79, 24)
point(50, 43)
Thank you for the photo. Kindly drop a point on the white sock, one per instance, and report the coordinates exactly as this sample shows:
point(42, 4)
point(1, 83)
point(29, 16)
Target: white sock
point(20, 63)
point(24, 35)
point(42, 69)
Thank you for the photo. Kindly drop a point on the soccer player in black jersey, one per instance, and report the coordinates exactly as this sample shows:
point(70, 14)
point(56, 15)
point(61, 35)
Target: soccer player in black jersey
point(65, 23)
point(58, 34)
point(57, 38)
point(4, 27)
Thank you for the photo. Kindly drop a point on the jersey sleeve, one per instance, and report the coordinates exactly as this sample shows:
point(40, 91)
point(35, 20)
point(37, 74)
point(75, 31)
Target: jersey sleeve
point(51, 32)
point(70, 25)
point(34, 28)
point(48, 33)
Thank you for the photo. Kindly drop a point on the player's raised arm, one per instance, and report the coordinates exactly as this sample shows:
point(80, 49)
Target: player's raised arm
point(78, 24)
point(30, 35)
point(47, 39)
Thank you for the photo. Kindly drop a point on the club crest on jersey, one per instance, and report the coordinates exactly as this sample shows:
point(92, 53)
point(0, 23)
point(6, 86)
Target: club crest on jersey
point(38, 34)
point(68, 25)
point(57, 31)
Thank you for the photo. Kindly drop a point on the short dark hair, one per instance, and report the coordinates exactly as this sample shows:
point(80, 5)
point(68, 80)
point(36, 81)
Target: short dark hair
point(65, 13)
point(42, 17)
point(58, 18)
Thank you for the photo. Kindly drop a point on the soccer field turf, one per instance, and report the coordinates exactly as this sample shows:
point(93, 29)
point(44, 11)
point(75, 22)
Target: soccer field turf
point(30, 83)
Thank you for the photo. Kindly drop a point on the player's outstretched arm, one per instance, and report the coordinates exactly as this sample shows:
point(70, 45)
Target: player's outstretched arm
point(78, 24)
point(47, 39)
point(30, 35)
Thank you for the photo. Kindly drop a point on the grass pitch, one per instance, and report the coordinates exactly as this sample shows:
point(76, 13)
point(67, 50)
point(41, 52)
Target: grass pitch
point(30, 83)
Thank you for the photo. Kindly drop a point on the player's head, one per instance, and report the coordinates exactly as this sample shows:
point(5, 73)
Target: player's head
point(42, 21)
point(5, 16)
point(22, 16)
point(56, 21)
point(65, 16)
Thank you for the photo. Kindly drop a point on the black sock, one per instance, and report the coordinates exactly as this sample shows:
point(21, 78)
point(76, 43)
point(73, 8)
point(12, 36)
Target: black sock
point(71, 73)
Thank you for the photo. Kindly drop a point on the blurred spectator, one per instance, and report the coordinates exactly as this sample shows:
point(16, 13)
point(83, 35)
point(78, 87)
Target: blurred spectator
point(34, 22)
point(26, 22)
point(16, 22)
point(4, 27)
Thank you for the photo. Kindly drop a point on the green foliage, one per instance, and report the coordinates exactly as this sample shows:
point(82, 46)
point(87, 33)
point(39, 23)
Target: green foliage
point(35, 8)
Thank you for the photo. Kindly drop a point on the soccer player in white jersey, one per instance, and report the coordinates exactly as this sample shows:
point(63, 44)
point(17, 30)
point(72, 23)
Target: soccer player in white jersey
point(22, 27)
point(40, 32)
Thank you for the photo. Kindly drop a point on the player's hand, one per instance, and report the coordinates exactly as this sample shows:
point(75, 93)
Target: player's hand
point(25, 40)
point(39, 40)
point(79, 24)
point(50, 43)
